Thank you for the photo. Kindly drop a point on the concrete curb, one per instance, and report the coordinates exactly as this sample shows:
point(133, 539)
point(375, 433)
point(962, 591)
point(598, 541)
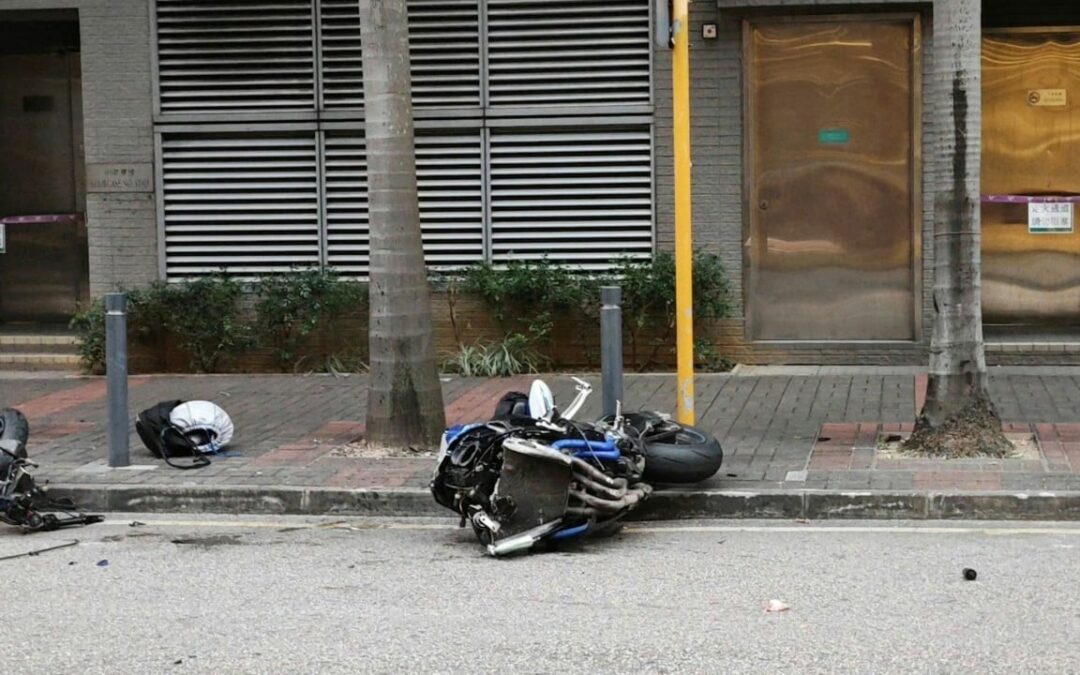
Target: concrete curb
point(665, 505)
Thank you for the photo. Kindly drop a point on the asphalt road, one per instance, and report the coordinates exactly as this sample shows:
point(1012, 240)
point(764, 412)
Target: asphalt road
point(277, 595)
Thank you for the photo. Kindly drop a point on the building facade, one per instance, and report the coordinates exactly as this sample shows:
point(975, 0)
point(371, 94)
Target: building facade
point(183, 137)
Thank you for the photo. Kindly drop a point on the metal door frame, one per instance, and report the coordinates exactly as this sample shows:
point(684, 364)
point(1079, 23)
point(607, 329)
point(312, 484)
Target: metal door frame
point(917, 207)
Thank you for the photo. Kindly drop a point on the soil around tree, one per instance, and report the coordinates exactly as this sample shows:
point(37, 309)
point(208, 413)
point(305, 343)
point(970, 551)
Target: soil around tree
point(361, 449)
point(974, 431)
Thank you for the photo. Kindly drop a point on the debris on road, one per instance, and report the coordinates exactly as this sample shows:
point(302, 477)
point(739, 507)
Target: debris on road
point(776, 606)
point(23, 503)
point(207, 542)
point(317, 526)
point(39, 551)
point(970, 574)
point(103, 563)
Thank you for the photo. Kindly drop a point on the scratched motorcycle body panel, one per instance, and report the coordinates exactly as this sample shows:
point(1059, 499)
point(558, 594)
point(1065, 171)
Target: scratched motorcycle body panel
point(539, 488)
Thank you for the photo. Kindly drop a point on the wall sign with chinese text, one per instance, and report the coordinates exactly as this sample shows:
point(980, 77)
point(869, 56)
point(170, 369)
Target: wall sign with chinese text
point(119, 178)
point(1051, 217)
point(1048, 98)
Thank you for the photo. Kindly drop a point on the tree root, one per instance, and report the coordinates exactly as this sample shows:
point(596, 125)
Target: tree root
point(973, 431)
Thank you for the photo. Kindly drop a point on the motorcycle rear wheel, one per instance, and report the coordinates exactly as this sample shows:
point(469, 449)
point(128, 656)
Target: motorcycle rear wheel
point(689, 455)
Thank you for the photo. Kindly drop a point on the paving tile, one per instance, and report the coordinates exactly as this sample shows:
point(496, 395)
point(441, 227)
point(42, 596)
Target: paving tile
point(768, 426)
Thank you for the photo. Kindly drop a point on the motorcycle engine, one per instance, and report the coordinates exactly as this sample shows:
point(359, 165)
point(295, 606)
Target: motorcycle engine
point(469, 470)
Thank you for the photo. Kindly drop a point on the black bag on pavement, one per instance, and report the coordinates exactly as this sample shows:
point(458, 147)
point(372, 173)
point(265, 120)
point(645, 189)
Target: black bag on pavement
point(514, 405)
point(164, 440)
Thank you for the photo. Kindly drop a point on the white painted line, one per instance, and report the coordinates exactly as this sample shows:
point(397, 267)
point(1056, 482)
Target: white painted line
point(630, 528)
point(274, 525)
point(814, 529)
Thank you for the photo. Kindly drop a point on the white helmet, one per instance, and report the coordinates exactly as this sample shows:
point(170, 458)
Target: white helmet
point(204, 423)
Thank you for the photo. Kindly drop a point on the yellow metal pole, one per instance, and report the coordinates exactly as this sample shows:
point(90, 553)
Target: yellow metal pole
point(684, 246)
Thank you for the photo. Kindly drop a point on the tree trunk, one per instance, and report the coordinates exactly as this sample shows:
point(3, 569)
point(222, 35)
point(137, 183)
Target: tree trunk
point(958, 418)
point(405, 406)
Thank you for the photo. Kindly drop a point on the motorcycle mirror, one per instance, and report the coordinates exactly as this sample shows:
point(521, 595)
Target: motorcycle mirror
point(541, 400)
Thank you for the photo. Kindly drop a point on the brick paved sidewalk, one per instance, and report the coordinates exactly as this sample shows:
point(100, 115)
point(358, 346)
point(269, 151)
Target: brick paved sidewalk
point(781, 428)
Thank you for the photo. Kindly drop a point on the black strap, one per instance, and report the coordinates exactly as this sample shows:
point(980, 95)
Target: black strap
point(198, 459)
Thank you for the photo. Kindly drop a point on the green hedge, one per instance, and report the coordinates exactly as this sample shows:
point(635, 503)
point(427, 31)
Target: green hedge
point(527, 298)
point(210, 319)
point(297, 316)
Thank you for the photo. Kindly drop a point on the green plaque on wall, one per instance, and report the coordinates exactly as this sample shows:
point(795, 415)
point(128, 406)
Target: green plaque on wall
point(833, 136)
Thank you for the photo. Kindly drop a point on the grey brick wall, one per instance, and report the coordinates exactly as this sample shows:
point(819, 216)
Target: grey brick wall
point(717, 139)
point(117, 128)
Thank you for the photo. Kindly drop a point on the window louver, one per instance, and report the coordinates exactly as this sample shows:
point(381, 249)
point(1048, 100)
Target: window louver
point(241, 204)
point(575, 197)
point(562, 52)
point(444, 52)
point(223, 55)
point(342, 65)
point(449, 174)
point(448, 169)
point(346, 204)
point(257, 201)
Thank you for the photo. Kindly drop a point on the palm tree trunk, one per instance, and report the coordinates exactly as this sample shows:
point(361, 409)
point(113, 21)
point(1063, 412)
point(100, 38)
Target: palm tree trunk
point(405, 406)
point(958, 418)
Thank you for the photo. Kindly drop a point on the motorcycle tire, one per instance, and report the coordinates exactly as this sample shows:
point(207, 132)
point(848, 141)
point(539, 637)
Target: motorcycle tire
point(14, 427)
point(691, 457)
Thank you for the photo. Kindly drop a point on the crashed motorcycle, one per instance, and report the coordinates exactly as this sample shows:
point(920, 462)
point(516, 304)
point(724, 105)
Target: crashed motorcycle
point(23, 503)
point(533, 477)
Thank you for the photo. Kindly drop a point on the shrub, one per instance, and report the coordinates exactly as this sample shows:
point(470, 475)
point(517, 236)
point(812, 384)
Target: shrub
point(148, 316)
point(527, 297)
point(510, 356)
point(89, 323)
point(648, 302)
point(205, 317)
point(290, 307)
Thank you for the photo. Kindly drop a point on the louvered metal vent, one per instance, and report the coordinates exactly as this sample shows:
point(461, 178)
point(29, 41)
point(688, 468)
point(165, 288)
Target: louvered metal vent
point(449, 170)
point(247, 205)
point(560, 52)
point(577, 197)
point(222, 55)
point(346, 204)
point(251, 202)
point(444, 51)
point(342, 66)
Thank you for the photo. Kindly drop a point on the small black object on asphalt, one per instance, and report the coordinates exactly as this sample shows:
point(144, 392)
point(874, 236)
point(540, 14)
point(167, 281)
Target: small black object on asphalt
point(103, 563)
point(970, 574)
